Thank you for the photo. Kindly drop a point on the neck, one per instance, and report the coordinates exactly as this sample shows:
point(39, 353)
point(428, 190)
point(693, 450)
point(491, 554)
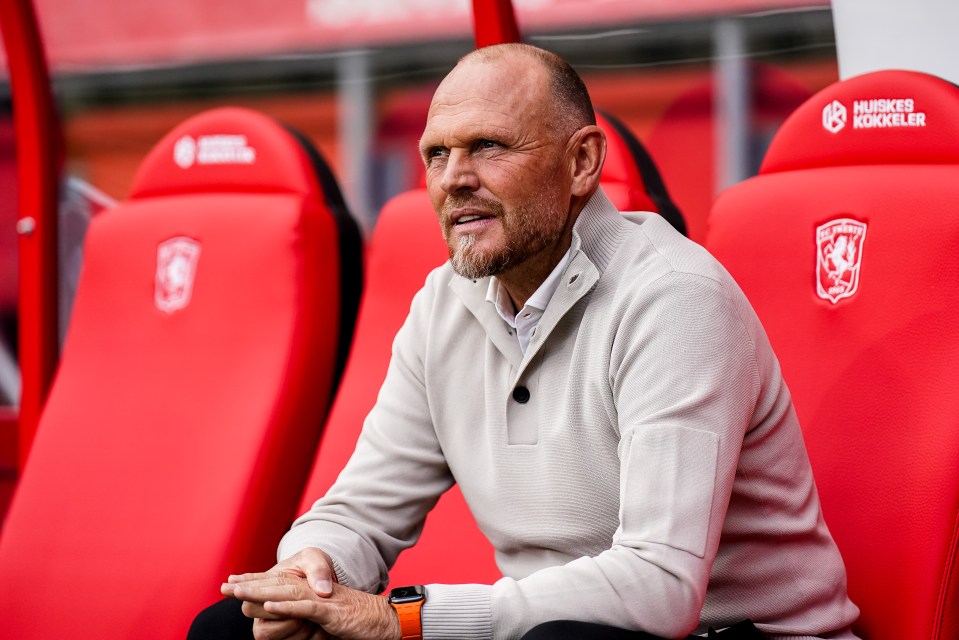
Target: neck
point(522, 280)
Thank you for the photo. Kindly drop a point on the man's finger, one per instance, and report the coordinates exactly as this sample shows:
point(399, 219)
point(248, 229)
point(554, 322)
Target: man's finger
point(273, 588)
point(286, 629)
point(256, 611)
point(247, 577)
point(301, 609)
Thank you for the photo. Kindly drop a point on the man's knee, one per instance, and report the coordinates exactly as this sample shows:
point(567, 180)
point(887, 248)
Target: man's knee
point(549, 631)
point(576, 630)
point(223, 620)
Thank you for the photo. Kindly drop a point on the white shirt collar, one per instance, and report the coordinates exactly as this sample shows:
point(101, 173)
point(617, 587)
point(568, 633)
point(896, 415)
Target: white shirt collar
point(529, 316)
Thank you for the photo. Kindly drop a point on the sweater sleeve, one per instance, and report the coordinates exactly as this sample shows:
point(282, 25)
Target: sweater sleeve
point(377, 506)
point(684, 383)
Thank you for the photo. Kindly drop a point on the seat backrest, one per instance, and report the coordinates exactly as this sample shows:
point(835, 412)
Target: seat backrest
point(195, 378)
point(847, 245)
point(405, 246)
point(631, 178)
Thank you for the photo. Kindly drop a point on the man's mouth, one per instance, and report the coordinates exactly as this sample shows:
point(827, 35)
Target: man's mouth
point(470, 215)
point(471, 219)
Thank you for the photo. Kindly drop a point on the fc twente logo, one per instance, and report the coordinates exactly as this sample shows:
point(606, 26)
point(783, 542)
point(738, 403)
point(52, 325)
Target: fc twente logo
point(839, 258)
point(176, 269)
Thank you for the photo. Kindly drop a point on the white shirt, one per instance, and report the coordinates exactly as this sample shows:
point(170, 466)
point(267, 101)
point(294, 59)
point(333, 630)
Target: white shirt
point(529, 316)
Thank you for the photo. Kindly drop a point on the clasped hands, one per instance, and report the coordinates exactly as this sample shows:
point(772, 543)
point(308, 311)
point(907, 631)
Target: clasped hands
point(299, 599)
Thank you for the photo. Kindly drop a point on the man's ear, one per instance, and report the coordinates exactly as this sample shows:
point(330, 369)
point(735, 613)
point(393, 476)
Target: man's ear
point(587, 154)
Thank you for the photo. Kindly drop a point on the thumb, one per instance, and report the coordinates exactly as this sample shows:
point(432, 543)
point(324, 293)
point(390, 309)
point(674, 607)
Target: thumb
point(321, 585)
point(319, 573)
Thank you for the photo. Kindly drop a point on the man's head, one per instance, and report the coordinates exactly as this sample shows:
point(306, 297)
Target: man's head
point(512, 154)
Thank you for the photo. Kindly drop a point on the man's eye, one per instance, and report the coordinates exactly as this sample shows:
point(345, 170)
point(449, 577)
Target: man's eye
point(436, 152)
point(488, 144)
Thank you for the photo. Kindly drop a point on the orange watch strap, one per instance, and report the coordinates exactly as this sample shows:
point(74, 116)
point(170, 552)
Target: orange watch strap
point(411, 626)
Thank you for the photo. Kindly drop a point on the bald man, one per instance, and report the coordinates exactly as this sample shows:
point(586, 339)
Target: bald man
point(599, 389)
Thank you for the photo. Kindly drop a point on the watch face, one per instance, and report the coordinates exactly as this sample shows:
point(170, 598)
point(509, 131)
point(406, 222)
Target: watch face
point(402, 595)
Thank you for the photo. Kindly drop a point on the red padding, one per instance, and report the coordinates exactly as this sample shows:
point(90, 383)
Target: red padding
point(225, 150)
point(406, 245)
point(871, 364)
point(174, 444)
point(884, 117)
point(631, 178)
point(621, 178)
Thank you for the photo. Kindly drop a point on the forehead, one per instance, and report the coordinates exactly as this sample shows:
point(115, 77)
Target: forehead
point(489, 98)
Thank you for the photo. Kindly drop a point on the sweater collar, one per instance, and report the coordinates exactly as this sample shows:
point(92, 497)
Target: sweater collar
point(598, 231)
point(597, 234)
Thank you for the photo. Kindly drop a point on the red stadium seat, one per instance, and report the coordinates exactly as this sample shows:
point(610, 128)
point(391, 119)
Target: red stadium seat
point(630, 177)
point(196, 375)
point(847, 245)
point(406, 245)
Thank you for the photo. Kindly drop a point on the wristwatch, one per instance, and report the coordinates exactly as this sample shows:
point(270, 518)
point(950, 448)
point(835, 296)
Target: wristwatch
point(408, 601)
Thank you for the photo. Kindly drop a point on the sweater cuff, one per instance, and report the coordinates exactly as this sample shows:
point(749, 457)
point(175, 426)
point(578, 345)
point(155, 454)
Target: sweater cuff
point(355, 570)
point(457, 611)
point(340, 574)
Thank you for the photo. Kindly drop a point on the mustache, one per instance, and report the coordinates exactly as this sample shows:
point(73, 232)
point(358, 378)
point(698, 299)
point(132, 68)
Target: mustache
point(471, 200)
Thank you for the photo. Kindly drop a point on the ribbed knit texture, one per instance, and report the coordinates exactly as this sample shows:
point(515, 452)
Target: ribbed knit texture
point(658, 453)
point(461, 611)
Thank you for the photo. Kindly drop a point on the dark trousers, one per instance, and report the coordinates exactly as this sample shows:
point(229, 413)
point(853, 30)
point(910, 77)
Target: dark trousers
point(221, 621)
point(573, 630)
point(225, 621)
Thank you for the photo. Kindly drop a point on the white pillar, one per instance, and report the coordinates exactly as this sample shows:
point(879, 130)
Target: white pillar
point(355, 106)
point(731, 103)
point(9, 374)
point(897, 34)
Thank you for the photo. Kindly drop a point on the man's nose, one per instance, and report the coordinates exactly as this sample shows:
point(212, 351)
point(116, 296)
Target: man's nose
point(459, 173)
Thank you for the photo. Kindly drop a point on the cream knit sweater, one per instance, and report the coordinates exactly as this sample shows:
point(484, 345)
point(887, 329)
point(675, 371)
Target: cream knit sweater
point(656, 479)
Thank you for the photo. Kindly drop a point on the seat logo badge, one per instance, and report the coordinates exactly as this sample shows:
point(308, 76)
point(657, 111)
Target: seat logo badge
point(184, 152)
point(834, 117)
point(176, 270)
point(213, 149)
point(839, 245)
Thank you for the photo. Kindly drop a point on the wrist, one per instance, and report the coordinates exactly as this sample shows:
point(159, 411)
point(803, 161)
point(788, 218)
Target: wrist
point(394, 628)
point(407, 603)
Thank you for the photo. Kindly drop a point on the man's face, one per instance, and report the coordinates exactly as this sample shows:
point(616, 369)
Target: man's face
point(495, 167)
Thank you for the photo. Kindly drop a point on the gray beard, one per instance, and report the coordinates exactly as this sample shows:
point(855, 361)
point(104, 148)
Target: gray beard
point(471, 264)
point(530, 231)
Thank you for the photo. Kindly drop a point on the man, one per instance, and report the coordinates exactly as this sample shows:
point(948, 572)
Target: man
point(600, 390)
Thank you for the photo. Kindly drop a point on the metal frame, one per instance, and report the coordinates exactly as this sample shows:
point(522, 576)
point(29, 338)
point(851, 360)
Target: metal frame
point(494, 22)
point(39, 146)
